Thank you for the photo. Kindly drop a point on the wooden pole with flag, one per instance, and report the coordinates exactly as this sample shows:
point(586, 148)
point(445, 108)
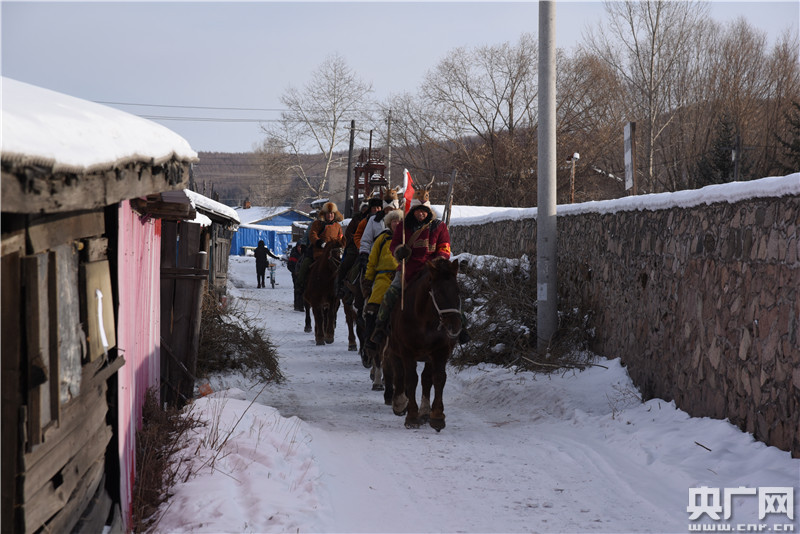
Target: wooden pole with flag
point(403, 265)
point(408, 191)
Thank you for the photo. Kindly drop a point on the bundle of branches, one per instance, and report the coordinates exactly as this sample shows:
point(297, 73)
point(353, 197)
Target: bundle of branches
point(163, 434)
point(230, 339)
point(500, 305)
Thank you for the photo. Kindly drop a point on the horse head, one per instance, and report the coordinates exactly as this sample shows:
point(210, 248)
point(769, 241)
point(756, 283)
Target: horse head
point(445, 294)
point(334, 249)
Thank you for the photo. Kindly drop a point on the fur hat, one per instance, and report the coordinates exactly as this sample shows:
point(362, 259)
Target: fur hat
point(415, 203)
point(394, 215)
point(329, 207)
point(375, 202)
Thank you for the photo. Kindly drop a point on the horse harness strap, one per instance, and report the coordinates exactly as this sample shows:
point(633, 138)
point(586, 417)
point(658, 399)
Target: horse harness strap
point(439, 310)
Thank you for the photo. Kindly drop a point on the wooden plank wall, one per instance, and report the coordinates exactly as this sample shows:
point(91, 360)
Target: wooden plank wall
point(55, 433)
point(184, 274)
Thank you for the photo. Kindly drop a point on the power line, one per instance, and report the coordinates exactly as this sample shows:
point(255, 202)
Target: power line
point(204, 119)
point(187, 107)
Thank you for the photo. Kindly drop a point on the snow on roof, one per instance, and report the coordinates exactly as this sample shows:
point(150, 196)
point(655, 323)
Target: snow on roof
point(43, 127)
point(200, 202)
point(255, 214)
point(268, 228)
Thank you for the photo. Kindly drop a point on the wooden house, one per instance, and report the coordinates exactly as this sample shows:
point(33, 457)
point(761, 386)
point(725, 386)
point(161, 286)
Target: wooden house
point(81, 268)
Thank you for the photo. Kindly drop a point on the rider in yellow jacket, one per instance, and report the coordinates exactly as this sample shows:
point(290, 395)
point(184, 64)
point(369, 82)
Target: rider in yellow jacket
point(381, 269)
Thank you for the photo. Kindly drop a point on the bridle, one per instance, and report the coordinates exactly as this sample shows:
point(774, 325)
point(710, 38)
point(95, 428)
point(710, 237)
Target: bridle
point(334, 260)
point(443, 312)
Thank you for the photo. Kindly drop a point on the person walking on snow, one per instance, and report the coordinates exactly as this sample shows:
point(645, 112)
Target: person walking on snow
point(262, 253)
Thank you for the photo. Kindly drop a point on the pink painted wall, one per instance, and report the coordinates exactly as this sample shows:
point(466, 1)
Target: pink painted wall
point(138, 335)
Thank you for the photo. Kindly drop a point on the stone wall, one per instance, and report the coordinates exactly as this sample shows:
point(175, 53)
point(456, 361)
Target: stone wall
point(701, 303)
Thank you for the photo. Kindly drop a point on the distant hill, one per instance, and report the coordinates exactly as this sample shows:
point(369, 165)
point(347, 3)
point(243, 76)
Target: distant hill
point(233, 177)
point(227, 177)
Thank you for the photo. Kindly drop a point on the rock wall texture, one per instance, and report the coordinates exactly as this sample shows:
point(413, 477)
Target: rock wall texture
point(701, 303)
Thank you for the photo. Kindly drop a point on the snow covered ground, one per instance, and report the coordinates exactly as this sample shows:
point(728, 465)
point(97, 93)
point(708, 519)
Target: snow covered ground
point(575, 452)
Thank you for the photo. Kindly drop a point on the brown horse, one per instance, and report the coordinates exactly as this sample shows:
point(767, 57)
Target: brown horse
point(320, 294)
point(424, 330)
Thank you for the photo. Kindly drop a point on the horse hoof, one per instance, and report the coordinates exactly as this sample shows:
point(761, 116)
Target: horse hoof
point(352, 347)
point(437, 424)
point(320, 342)
point(307, 329)
point(424, 418)
point(412, 424)
point(400, 413)
point(366, 361)
point(377, 387)
point(329, 340)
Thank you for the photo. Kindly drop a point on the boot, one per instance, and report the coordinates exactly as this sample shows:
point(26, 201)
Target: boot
point(382, 319)
point(369, 326)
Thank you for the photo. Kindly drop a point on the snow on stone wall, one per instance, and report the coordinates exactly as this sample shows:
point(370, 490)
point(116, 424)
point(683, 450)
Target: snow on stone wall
point(702, 303)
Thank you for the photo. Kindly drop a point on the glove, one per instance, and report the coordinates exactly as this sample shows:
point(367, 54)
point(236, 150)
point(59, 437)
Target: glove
point(402, 253)
point(363, 259)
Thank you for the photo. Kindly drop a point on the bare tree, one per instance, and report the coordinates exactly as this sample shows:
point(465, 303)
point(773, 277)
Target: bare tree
point(645, 42)
point(317, 121)
point(482, 105)
point(278, 184)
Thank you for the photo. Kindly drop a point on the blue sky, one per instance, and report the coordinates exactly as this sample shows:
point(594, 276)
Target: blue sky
point(245, 55)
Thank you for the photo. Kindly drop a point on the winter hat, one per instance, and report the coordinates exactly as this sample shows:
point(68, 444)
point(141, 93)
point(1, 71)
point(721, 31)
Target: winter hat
point(364, 205)
point(394, 215)
point(329, 207)
point(375, 202)
point(415, 202)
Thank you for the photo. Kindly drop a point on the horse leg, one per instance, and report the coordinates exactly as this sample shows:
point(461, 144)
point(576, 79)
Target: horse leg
point(307, 307)
point(425, 402)
point(319, 325)
point(410, 378)
point(439, 379)
point(350, 315)
point(394, 368)
point(330, 322)
point(376, 374)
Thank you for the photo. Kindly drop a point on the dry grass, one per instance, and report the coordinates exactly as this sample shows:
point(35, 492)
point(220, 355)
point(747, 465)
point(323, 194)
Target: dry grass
point(230, 339)
point(163, 434)
point(500, 304)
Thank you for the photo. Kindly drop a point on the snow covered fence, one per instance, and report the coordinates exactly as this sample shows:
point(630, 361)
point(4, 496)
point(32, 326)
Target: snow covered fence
point(697, 291)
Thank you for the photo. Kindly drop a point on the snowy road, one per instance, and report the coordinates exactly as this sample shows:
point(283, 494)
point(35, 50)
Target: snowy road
point(520, 453)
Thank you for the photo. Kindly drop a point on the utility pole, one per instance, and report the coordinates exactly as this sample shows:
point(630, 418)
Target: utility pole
point(349, 206)
point(546, 231)
point(449, 206)
point(389, 151)
point(573, 159)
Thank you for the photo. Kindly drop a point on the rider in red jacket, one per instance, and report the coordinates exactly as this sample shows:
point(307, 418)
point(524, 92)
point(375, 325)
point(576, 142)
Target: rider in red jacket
point(426, 238)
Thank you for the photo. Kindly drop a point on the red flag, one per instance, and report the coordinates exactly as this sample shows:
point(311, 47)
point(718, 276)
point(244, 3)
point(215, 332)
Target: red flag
point(408, 194)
